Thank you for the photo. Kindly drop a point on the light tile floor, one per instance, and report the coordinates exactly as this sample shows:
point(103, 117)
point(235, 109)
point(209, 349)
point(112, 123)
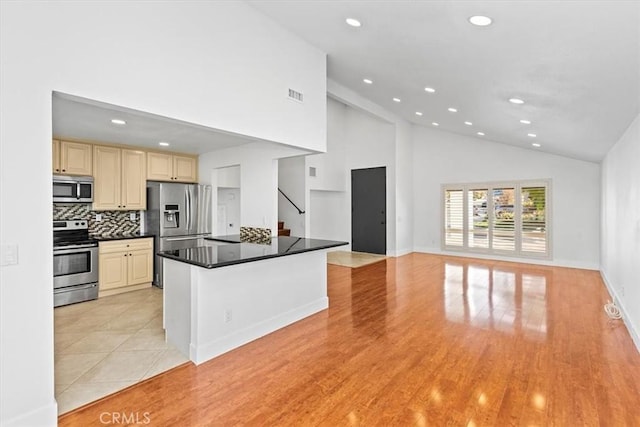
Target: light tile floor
point(352, 259)
point(106, 345)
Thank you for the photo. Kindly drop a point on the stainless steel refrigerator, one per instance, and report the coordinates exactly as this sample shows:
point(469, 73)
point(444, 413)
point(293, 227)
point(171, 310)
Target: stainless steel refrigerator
point(179, 215)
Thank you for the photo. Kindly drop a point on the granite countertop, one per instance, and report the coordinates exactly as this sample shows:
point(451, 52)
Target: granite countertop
point(238, 253)
point(121, 236)
point(229, 238)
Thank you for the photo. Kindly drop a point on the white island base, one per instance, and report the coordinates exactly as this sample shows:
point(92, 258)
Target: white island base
point(208, 312)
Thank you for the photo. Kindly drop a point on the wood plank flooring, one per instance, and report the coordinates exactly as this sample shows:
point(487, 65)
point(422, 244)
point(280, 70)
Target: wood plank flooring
point(419, 340)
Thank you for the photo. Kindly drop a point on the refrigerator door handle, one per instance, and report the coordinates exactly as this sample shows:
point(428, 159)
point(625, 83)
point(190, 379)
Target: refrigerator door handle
point(176, 239)
point(188, 208)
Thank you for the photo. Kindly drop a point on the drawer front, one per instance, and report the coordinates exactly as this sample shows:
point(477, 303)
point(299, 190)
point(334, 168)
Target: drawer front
point(126, 245)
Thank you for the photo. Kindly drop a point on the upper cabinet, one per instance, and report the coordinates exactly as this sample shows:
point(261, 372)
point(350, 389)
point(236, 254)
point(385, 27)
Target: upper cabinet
point(71, 158)
point(119, 179)
point(172, 167)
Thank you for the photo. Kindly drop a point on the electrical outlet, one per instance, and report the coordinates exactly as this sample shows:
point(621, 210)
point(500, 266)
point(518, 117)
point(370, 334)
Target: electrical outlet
point(98, 217)
point(227, 316)
point(9, 255)
point(132, 216)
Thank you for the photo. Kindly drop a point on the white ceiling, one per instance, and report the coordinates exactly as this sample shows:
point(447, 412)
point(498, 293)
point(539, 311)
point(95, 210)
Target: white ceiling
point(88, 120)
point(575, 63)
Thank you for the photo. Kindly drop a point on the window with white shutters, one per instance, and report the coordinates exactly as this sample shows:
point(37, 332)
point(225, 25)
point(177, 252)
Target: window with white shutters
point(534, 220)
point(509, 218)
point(453, 226)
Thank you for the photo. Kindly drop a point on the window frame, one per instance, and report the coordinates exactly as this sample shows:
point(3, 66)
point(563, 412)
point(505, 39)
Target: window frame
point(517, 185)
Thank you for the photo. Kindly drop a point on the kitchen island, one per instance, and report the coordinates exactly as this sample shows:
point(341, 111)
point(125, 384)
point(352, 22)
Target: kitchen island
point(218, 297)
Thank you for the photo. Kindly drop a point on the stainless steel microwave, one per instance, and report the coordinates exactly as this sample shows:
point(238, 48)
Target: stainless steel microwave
point(72, 189)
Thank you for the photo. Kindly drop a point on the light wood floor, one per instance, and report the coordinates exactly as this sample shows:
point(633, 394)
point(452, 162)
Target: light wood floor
point(416, 340)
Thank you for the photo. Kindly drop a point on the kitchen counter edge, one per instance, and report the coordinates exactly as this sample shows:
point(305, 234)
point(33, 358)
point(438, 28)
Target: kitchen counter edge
point(111, 237)
point(326, 244)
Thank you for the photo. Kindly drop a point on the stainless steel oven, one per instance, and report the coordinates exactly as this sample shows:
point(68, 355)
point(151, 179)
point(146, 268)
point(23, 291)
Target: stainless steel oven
point(75, 263)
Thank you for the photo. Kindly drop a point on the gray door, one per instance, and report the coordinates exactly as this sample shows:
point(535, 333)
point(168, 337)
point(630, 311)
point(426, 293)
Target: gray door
point(369, 210)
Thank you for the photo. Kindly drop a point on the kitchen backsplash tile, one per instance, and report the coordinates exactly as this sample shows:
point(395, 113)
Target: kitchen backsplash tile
point(255, 235)
point(113, 222)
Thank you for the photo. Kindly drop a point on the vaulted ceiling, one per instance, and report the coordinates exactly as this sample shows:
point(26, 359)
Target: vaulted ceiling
point(575, 64)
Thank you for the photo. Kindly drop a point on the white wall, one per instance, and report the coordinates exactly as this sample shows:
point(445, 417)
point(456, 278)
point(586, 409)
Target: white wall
point(404, 188)
point(620, 250)
point(442, 158)
point(291, 180)
point(229, 177)
point(331, 167)
point(258, 163)
point(229, 203)
point(400, 188)
point(364, 141)
point(217, 64)
point(330, 216)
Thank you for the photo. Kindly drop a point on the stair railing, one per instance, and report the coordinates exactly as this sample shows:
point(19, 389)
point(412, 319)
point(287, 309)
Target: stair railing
point(300, 211)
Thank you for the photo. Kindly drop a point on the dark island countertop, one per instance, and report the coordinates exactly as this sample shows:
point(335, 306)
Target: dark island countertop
point(121, 236)
point(237, 253)
point(229, 238)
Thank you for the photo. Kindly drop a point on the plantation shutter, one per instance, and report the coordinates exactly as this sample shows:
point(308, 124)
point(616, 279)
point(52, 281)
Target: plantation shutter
point(454, 218)
point(503, 219)
point(477, 218)
point(534, 220)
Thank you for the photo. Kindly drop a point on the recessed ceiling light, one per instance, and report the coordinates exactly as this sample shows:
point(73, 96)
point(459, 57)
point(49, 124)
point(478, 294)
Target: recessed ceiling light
point(429, 89)
point(353, 22)
point(368, 81)
point(480, 21)
point(396, 99)
point(481, 133)
point(435, 124)
point(118, 122)
point(526, 122)
point(516, 101)
point(452, 110)
point(468, 123)
point(532, 135)
point(164, 144)
point(418, 113)
point(535, 144)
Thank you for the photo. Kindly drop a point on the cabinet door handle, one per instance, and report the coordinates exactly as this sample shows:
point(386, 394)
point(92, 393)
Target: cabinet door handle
point(64, 170)
point(125, 254)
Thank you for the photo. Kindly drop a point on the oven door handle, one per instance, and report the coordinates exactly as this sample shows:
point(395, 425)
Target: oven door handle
point(74, 288)
point(78, 185)
point(72, 250)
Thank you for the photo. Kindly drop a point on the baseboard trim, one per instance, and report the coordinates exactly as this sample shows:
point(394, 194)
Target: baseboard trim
point(401, 252)
point(551, 263)
point(44, 416)
point(229, 342)
point(625, 314)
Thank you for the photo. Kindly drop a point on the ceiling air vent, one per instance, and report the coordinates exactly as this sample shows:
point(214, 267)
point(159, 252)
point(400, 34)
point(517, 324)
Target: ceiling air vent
point(295, 95)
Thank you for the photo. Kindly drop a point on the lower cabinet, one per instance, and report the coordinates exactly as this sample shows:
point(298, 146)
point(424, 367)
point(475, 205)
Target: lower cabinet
point(125, 265)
